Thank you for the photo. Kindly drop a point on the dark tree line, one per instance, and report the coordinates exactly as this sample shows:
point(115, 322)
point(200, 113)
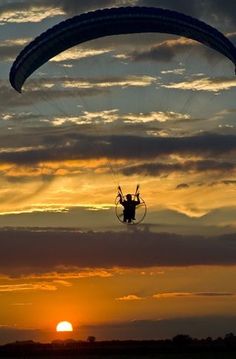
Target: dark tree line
point(181, 343)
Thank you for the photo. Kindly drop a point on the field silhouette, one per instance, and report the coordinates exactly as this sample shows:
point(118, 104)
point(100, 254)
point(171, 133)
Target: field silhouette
point(181, 346)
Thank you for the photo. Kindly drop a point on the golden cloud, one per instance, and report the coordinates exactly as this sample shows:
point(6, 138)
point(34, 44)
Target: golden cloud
point(67, 273)
point(204, 84)
point(79, 53)
point(129, 297)
point(27, 287)
point(35, 14)
point(139, 81)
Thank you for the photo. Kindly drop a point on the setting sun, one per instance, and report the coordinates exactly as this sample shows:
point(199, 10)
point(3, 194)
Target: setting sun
point(64, 327)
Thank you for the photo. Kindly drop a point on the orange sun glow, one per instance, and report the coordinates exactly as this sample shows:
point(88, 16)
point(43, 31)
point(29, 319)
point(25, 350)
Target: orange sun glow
point(64, 327)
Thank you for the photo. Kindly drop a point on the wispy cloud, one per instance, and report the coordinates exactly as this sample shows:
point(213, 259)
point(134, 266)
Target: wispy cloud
point(27, 287)
point(113, 115)
point(86, 117)
point(137, 81)
point(169, 295)
point(129, 298)
point(173, 295)
point(79, 53)
point(21, 14)
point(204, 84)
point(63, 273)
point(196, 166)
point(179, 71)
point(158, 116)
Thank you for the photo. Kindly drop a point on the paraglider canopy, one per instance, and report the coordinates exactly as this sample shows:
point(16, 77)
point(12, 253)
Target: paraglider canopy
point(115, 21)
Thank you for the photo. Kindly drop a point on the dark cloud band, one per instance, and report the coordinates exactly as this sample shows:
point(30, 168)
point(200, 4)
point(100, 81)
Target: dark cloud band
point(32, 251)
point(68, 146)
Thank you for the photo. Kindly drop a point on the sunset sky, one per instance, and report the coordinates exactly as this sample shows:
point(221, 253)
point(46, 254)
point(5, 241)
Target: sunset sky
point(152, 109)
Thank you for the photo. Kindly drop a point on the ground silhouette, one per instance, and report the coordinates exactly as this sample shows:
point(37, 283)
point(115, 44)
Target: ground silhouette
point(180, 346)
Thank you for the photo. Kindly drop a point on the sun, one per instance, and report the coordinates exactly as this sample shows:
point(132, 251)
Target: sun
point(64, 327)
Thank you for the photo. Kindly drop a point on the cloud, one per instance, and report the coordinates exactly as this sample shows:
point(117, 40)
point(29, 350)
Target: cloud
point(182, 186)
point(217, 13)
point(164, 51)
point(129, 298)
point(64, 273)
point(64, 283)
point(155, 169)
point(107, 116)
point(9, 49)
point(48, 89)
point(209, 184)
point(34, 92)
point(27, 287)
point(28, 11)
point(229, 182)
point(86, 154)
point(77, 146)
point(128, 81)
point(179, 71)
point(221, 14)
point(204, 84)
point(158, 328)
point(87, 118)
point(79, 53)
point(167, 50)
point(170, 295)
point(162, 328)
point(154, 116)
point(96, 250)
point(36, 10)
point(207, 10)
point(74, 7)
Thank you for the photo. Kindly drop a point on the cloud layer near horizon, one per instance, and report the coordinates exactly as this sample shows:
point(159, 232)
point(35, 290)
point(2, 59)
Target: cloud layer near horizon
point(200, 327)
point(35, 251)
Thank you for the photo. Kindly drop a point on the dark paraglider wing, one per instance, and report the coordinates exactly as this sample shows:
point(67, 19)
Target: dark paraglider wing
point(115, 21)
